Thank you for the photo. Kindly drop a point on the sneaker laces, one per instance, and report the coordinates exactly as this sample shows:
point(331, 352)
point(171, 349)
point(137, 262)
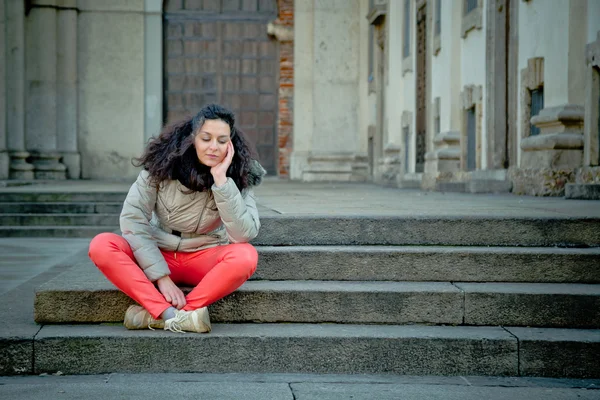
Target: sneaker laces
point(174, 324)
point(152, 321)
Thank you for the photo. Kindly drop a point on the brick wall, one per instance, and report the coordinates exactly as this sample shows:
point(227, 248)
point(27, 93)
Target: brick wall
point(285, 125)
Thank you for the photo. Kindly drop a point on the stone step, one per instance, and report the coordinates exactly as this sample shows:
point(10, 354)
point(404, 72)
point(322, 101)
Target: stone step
point(320, 348)
point(24, 220)
point(429, 263)
point(56, 197)
point(286, 230)
point(55, 231)
point(82, 295)
point(62, 208)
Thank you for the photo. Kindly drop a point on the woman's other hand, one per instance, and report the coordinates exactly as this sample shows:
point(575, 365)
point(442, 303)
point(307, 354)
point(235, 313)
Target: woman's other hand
point(172, 293)
point(219, 171)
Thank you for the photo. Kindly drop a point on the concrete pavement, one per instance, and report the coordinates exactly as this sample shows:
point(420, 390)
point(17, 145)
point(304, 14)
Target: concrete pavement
point(292, 387)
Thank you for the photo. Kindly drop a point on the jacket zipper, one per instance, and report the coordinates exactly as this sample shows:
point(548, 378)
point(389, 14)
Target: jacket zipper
point(166, 208)
point(202, 213)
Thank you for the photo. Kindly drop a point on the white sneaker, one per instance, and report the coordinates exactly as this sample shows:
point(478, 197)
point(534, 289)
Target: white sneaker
point(137, 317)
point(189, 321)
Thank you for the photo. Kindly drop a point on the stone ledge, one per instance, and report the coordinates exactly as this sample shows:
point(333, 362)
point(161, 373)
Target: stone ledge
point(582, 191)
point(568, 114)
point(281, 348)
point(553, 141)
point(540, 182)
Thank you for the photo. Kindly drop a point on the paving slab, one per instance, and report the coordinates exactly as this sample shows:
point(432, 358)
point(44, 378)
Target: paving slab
point(323, 391)
point(304, 348)
point(19, 330)
point(281, 386)
point(23, 259)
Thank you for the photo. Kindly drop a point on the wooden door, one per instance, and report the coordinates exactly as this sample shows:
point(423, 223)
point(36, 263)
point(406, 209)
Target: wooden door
point(421, 86)
point(219, 51)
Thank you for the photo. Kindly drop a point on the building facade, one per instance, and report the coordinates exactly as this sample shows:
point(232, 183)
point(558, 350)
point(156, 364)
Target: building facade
point(465, 95)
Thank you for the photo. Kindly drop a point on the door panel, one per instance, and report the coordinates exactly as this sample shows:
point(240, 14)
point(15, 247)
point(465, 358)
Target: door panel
point(218, 51)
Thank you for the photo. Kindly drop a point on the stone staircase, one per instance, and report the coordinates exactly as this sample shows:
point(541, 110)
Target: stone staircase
point(56, 214)
point(441, 295)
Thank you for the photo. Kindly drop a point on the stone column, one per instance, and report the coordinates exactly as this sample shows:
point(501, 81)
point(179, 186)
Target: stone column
point(591, 153)
point(66, 89)
point(303, 93)
point(15, 90)
point(41, 109)
point(3, 153)
point(153, 68)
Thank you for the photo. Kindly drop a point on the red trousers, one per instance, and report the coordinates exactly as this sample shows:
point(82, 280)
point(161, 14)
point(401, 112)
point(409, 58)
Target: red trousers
point(215, 272)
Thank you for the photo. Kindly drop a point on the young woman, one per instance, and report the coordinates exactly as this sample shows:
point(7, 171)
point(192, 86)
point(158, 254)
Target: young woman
point(187, 221)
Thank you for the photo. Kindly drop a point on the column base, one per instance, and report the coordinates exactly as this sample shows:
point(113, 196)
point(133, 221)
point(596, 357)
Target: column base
point(4, 164)
point(541, 181)
point(334, 168)
point(72, 160)
point(48, 167)
point(19, 168)
point(389, 169)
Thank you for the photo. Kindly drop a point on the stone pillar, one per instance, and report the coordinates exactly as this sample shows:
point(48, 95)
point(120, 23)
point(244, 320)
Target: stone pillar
point(4, 160)
point(326, 96)
point(303, 93)
point(591, 147)
point(15, 89)
point(153, 64)
point(41, 108)
point(66, 89)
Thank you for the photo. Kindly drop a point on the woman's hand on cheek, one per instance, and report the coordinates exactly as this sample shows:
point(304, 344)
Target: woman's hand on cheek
point(219, 171)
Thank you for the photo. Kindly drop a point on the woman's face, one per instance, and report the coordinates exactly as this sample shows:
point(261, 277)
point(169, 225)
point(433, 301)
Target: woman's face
point(211, 142)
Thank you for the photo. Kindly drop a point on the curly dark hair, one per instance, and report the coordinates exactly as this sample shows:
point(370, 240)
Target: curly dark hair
point(172, 154)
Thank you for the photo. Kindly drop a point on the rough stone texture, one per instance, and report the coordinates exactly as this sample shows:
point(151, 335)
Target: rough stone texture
point(16, 354)
point(282, 348)
point(540, 182)
point(532, 304)
point(82, 295)
point(568, 353)
point(38, 196)
point(61, 208)
point(428, 263)
point(342, 302)
point(450, 231)
point(24, 220)
point(583, 191)
point(588, 175)
point(54, 231)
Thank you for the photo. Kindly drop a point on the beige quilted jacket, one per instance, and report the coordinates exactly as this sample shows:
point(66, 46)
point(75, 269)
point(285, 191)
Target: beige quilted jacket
point(200, 220)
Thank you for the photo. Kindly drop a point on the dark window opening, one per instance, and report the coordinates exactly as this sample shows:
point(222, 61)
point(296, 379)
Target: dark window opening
point(470, 5)
point(537, 104)
point(406, 148)
point(406, 42)
point(471, 140)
